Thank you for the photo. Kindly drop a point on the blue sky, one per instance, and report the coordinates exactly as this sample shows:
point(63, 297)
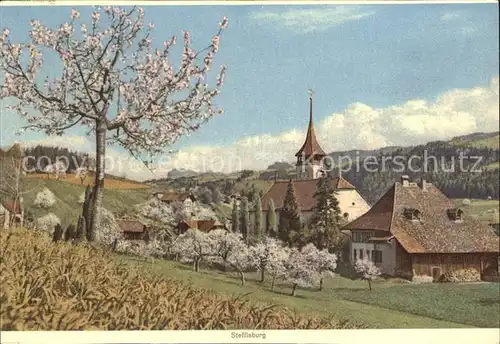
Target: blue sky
point(363, 60)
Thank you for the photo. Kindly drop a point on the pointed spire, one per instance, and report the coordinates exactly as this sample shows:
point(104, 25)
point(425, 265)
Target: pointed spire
point(311, 145)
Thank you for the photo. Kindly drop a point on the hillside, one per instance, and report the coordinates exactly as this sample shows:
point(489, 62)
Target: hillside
point(68, 208)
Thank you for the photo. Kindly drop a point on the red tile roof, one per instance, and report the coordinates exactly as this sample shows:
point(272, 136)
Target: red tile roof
point(203, 225)
point(435, 232)
point(11, 207)
point(311, 145)
point(304, 191)
point(131, 226)
point(176, 196)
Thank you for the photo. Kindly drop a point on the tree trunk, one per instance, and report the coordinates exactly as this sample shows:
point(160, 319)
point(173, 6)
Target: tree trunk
point(242, 276)
point(262, 274)
point(99, 178)
point(272, 283)
point(370, 284)
point(321, 284)
point(196, 265)
point(294, 289)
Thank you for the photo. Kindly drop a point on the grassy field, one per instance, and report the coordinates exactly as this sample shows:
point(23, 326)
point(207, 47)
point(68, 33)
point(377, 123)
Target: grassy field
point(67, 207)
point(109, 183)
point(391, 304)
point(493, 166)
point(484, 210)
point(75, 286)
point(490, 142)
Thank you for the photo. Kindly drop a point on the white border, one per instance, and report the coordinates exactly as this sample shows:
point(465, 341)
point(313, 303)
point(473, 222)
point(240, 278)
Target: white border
point(417, 336)
point(386, 336)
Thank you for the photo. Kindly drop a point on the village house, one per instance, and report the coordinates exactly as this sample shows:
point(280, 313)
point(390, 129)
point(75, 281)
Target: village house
point(133, 229)
point(204, 226)
point(186, 198)
point(414, 229)
point(310, 167)
point(12, 212)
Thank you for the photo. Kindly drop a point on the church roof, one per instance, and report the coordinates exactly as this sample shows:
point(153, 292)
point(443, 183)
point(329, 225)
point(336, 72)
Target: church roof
point(304, 191)
point(311, 145)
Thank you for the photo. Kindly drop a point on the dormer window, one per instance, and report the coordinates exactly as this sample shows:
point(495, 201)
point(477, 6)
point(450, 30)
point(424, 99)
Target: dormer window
point(455, 214)
point(412, 214)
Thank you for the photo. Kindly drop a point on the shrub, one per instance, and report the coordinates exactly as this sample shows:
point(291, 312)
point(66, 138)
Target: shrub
point(461, 275)
point(48, 222)
point(418, 279)
point(44, 199)
point(95, 292)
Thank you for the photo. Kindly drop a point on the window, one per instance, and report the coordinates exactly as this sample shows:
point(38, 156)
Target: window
point(377, 256)
point(368, 254)
point(455, 214)
point(361, 237)
point(360, 254)
point(355, 255)
point(412, 214)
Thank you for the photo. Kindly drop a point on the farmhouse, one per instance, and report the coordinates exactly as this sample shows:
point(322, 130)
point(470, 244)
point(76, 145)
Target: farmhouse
point(414, 229)
point(186, 198)
point(133, 229)
point(201, 225)
point(12, 212)
point(310, 167)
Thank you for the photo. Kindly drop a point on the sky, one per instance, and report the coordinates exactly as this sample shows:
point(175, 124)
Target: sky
point(382, 75)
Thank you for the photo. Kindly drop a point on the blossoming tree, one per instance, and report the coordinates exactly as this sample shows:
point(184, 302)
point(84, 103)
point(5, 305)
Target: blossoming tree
point(193, 247)
point(112, 81)
point(367, 269)
point(225, 244)
point(264, 252)
point(300, 271)
point(242, 260)
point(323, 262)
point(44, 199)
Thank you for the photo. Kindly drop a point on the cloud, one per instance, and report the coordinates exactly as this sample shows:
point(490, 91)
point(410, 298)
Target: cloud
point(317, 19)
point(359, 126)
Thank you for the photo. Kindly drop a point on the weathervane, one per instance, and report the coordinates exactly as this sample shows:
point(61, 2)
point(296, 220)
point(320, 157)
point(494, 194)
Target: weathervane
point(311, 93)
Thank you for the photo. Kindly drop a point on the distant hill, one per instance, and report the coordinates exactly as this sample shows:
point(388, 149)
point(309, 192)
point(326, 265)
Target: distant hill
point(177, 173)
point(466, 184)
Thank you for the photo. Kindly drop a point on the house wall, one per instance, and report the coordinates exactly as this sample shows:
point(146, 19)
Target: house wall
point(388, 251)
point(350, 201)
point(425, 263)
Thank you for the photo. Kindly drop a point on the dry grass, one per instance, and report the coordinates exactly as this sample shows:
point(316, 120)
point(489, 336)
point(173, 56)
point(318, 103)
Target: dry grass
point(109, 183)
point(57, 286)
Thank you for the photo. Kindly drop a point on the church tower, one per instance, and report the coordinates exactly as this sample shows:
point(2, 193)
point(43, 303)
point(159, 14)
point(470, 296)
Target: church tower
point(310, 155)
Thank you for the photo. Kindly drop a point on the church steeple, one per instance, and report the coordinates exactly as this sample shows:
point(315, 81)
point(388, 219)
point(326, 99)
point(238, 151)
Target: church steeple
point(311, 145)
point(310, 154)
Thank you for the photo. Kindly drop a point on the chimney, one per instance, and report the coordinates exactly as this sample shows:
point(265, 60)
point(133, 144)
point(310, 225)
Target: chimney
point(423, 184)
point(405, 180)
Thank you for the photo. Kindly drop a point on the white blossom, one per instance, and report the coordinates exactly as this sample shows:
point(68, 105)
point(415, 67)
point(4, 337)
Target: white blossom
point(324, 263)
point(300, 271)
point(48, 222)
point(193, 247)
point(224, 245)
point(44, 199)
point(367, 269)
point(242, 261)
point(108, 230)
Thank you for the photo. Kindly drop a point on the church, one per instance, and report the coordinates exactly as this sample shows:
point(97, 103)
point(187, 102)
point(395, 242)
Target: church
point(310, 167)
